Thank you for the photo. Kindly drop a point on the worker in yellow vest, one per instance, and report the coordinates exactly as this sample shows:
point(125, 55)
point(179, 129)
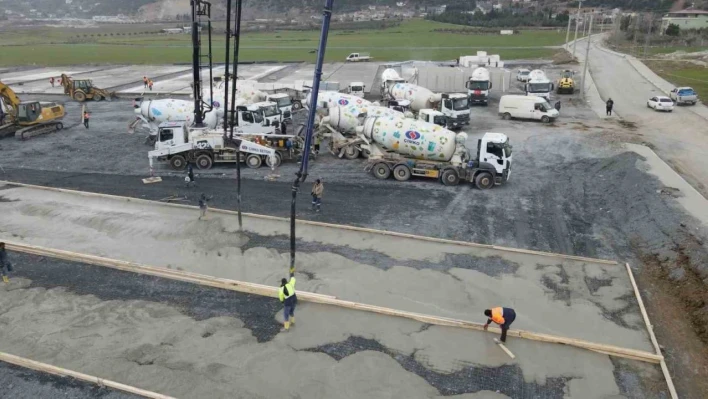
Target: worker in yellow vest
point(289, 299)
point(502, 316)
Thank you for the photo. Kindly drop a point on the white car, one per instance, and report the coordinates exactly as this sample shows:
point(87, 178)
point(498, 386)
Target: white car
point(523, 75)
point(661, 103)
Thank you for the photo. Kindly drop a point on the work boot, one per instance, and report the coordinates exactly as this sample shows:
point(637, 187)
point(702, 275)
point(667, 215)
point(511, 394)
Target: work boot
point(5, 279)
point(292, 320)
point(286, 327)
point(318, 208)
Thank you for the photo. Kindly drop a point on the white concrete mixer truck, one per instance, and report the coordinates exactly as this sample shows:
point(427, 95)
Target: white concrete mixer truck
point(455, 106)
point(331, 99)
point(539, 85)
point(478, 86)
point(403, 147)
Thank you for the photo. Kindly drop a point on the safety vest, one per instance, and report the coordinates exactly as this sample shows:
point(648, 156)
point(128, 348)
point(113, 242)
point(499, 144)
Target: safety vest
point(290, 286)
point(498, 315)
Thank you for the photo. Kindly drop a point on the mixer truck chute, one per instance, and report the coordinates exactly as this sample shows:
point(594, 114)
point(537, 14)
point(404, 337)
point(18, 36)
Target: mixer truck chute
point(478, 86)
point(406, 147)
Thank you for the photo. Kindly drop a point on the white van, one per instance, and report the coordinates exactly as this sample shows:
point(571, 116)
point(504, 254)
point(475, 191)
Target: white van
point(527, 107)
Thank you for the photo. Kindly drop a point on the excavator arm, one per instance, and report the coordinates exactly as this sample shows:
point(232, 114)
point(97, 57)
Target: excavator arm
point(10, 102)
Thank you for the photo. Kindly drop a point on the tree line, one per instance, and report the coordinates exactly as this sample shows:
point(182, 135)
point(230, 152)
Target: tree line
point(503, 18)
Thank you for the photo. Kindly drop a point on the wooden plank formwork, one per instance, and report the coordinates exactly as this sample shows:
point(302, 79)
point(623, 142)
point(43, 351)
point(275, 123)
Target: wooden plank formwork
point(48, 368)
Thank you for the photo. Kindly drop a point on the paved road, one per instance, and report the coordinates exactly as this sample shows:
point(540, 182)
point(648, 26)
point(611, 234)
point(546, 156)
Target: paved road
point(680, 137)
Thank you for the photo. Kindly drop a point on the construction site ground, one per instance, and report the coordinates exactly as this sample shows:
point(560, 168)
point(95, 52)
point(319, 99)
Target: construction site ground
point(576, 188)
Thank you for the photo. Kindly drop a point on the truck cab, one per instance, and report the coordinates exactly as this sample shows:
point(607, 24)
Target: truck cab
point(456, 108)
point(494, 152)
point(284, 102)
point(478, 86)
point(269, 112)
point(432, 116)
point(538, 85)
point(356, 89)
point(171, 134)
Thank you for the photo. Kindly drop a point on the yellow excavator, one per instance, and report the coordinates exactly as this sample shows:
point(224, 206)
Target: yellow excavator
point(27, 119)
point(82, 90)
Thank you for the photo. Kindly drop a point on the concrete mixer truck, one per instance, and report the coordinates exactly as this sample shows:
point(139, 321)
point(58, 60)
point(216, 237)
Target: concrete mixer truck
point(403, 147)
point(455, 106)
point(539, 85)
point(331, 99)
point(478, 86)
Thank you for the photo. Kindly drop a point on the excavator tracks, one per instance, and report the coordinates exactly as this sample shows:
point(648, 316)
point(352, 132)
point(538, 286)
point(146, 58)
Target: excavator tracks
point(32, 131)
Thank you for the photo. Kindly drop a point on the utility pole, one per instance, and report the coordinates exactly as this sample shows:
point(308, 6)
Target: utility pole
point(587, 60)
point(646, 42)
point(577, 19)
point(636, 31)
point(567, 32)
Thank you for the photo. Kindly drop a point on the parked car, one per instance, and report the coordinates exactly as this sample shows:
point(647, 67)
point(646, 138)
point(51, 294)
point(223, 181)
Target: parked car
point(684, 95)
point(523, 75)
point(661, 103)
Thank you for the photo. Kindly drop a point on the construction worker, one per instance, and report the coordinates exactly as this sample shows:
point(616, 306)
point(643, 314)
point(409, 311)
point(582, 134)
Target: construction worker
point(608, 106)
point(5, 265)
point(317, 191)
point(145, 82)
point(502, 316)
point(283, 128)
point(317, 144)
point(203, 205)
point(289, 299)
point(190, 175)
point(150, 84)
point(86, 119)
point(51, 81)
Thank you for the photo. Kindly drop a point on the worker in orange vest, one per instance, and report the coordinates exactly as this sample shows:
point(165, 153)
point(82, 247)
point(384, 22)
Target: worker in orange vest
point(86, 119)
point(150, 84)
point(502, 316)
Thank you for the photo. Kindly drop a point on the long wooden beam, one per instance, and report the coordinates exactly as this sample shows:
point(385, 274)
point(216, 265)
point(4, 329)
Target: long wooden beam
point(328, 225)
point(48, 368)
point(264, 290)
point(650, 328)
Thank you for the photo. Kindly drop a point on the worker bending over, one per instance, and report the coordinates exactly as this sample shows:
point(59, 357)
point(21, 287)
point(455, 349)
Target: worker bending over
point(502, 316)
point(289, 299)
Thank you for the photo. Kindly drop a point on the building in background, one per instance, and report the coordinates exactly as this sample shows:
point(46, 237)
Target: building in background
point(685, 19)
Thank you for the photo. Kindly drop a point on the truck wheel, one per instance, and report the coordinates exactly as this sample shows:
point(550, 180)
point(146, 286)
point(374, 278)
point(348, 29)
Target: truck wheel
point(506, 116)
point(351, 152)
point(178, 162)
point(254, 161)
point(276, 162)
point(381, 171)
point(204, 162)
point(545, 119)
point(97, 97)
point(401, 172)
point(297, 105)
point(450, 177)
point(59, 126)
point(484, 181)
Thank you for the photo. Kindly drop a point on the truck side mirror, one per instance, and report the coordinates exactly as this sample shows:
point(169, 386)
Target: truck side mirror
point(490, 84)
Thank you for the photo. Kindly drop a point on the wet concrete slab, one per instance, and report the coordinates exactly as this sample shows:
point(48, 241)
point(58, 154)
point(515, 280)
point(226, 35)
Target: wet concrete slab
point(578, 299)
point(14, 78)
point(181, 84)
point(191, 341)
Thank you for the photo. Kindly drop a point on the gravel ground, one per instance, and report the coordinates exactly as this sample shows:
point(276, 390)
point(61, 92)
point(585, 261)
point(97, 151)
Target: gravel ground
point(21, 383)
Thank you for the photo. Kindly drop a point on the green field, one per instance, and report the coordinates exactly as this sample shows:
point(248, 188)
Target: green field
point(683, 74)
point(129, 44)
